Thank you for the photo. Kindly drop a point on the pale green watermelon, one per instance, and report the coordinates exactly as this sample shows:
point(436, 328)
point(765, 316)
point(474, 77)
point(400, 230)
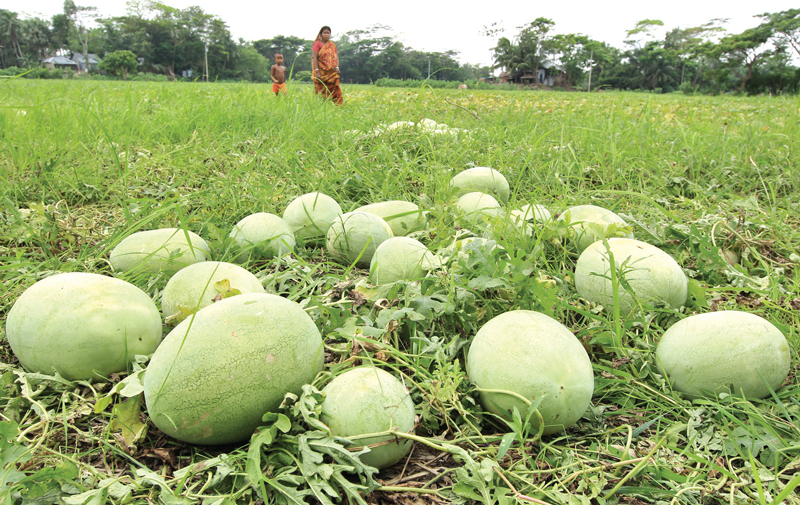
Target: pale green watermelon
point(153, 251)
point(354, 237)
point(535, 356)
point(310, 215)
point(724, 352)
point(482, 179)
point(82, 326)
point(651, 273)
point(262, 235)
point(217, 373)
point(370, 400)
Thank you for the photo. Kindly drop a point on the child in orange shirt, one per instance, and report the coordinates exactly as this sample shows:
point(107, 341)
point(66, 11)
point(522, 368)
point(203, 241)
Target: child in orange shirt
point(278, 73)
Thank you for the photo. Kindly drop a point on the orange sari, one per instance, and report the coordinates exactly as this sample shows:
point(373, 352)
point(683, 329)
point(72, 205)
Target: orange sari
point(328, 82)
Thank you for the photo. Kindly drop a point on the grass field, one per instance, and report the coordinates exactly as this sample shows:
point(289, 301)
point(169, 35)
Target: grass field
point(706, 179)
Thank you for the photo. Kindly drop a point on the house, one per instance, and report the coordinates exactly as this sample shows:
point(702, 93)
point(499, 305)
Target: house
point(60, 62)
point(543, 75)
point(94, 61)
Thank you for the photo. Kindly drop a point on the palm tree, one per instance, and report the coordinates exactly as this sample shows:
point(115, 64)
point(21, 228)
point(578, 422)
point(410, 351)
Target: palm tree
point(9, 36)
point(505, 54)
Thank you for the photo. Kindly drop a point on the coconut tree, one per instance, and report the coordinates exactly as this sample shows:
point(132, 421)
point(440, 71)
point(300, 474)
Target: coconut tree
point(505, 54)
point(36, 37)
point(10, 50)
point(533, 43)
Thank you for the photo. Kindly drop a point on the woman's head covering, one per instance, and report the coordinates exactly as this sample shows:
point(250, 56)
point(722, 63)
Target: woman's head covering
point(319, 35)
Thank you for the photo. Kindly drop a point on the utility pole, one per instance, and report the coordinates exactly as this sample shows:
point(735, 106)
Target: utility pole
point(205, 65)
point(591, 64)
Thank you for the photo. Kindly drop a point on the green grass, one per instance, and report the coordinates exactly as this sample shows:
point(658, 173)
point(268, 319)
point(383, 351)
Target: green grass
point(85, 164)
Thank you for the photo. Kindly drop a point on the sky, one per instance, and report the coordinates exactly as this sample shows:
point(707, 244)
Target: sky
point(439, 26)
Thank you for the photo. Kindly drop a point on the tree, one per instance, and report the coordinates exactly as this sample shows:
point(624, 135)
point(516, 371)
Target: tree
point(77, 15)
point(396, 63)
point(774, 76)
point(742, 53)
point(687, 43)
point(642, 31)
point(59, 33)
point(507, 55)
point(785, 26)
point(658, 66)
point(359, 54)
point(250, 64)
point(290, 47)
point(530, 50)
point(35, 36)
point(533, 43)
point(10, 49)
point(120, 63)
point(571, 53)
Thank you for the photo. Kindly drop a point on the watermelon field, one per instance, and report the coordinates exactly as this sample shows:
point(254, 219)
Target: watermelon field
point(516, 348)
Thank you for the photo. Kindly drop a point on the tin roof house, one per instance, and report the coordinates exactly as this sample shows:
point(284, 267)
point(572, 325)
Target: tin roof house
point(94, 61)
point(60, 62)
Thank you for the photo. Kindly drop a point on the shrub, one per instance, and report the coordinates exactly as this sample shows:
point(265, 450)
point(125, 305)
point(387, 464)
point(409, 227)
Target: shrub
point(36, 73)
point(687, 89)
point(150, 77)
point(120, 63)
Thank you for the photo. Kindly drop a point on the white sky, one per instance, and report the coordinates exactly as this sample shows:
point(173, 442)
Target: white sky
point(435, 25)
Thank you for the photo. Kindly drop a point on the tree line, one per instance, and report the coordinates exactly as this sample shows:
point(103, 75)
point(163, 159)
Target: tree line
point(705, 58)
point(169, 41)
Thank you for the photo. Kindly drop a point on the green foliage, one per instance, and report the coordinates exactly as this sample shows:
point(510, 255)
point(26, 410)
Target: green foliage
point(251, 65)
point(172, 40)
point(119, 63)
point(17, 486)
point(289, 462)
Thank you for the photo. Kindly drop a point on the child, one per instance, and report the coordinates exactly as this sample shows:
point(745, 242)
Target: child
point(278, 73)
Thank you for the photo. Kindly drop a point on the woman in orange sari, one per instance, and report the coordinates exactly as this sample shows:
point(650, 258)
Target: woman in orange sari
point(325, 66)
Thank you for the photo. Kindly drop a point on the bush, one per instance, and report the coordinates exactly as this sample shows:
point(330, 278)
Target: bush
point(687, 89)
point(475, 84)
point(119, 63)
point(36, 73)
point(150, 77)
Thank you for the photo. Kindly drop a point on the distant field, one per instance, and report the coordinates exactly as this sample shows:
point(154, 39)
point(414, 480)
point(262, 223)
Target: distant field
point(713, 181)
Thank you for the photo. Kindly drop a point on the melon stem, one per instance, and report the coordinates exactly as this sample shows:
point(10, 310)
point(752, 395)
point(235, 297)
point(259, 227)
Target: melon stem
point(618, 334)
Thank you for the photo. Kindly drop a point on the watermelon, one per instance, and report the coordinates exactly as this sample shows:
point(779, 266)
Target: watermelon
point(534, 356)
point(724, 352)
point(217, 373)
point(368, 400)
point(82, 326)
point(262, 235)
point(590, 223)
point(651, 274)
point(476, 205)
point(154, 251)
point(195, 286)
point(400, 258)
point(354, 237)
point(402, 217)
point(482, 179)
point(310, 215)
